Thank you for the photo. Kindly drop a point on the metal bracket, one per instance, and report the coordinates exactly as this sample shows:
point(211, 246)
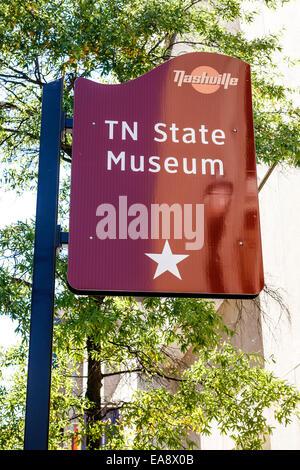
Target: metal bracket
point(69, 125)
point(66, 125)
point(62, 238)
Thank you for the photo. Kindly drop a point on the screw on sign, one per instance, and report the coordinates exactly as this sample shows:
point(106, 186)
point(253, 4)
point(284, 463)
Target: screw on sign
point(164, 188)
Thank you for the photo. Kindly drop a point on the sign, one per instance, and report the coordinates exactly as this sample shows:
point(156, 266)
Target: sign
point(163, 188)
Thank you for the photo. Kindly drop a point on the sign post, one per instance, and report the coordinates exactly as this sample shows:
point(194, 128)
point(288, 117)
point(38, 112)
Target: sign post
point(164, 188)
point(41, 327)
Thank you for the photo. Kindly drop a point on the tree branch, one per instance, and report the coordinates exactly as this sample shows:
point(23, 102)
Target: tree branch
point(22, 75)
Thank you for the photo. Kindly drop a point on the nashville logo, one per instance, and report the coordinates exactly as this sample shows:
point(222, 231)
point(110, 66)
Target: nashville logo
point(205, 79)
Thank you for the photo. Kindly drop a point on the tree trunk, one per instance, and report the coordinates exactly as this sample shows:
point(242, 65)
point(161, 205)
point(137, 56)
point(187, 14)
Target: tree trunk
point(93, 393)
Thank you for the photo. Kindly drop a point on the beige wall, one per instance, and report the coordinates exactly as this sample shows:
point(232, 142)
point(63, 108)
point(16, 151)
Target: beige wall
point(280, 221)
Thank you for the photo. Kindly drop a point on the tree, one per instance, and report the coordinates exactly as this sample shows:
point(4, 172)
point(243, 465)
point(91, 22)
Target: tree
point(117, 41)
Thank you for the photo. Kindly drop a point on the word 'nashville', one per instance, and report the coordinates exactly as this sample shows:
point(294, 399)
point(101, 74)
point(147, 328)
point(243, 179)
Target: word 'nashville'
point(224, 79)
point(165, 133)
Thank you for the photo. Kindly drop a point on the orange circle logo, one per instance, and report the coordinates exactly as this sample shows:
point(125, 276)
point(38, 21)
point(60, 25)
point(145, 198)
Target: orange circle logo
point(205, 79)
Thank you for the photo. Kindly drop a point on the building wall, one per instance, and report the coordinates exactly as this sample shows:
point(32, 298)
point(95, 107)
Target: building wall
point(280, 224)
point(280, 210)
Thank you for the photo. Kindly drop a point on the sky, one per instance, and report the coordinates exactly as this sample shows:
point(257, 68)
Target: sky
point(13, 208)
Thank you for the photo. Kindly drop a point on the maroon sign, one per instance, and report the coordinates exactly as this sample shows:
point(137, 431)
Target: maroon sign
point(164, 188)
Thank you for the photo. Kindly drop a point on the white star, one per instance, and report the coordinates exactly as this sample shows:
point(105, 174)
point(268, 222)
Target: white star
point(166, 261)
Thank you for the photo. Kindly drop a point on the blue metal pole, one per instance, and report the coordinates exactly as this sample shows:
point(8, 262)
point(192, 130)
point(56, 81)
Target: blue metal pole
point(42, 304)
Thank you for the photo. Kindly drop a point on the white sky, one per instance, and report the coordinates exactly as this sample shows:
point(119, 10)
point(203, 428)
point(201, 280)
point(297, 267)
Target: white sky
point(13, 208)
